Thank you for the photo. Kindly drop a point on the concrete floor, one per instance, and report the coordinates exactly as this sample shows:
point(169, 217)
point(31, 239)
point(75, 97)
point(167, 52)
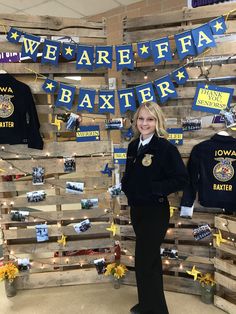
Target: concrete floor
point(93, 299)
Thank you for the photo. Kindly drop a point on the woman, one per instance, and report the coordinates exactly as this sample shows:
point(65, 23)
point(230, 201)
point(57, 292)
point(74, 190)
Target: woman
point(154, 169)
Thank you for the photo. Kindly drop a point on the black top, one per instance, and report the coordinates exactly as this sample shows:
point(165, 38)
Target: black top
point(19, 123)
point(145, 182)
point(212, 167)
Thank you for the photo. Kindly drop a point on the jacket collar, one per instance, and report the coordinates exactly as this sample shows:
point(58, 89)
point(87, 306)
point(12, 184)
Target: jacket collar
point(223, 138)
point(150, 147)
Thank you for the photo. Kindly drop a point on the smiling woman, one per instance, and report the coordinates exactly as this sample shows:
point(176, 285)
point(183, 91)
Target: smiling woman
point(154, 169)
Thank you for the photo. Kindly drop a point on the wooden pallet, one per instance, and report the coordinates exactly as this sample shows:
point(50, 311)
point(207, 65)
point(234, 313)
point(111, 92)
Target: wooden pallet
point(225, 264)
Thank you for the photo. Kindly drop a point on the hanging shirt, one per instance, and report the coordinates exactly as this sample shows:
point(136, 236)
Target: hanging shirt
point(19, 123)
point(212, 171)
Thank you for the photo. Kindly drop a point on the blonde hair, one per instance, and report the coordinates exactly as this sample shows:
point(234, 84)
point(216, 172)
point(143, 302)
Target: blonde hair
point(155, 110)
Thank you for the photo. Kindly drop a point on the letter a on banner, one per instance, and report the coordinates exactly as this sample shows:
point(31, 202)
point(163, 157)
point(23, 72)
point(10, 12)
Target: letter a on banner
point(65, 96)
point(203, 38)
point(106, 101)
point(85, 57)
point(86, 99)
point(30, 46)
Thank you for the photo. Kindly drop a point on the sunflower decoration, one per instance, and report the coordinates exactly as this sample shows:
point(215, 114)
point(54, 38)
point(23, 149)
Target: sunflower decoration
point(8, 271)
point(116, 270)
point(206, 279)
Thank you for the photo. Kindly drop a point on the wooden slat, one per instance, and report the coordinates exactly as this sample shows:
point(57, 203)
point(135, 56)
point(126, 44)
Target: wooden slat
point(98, 230)
point(54, 246)
point(171, 283)
point(179, 16)
point(89, 182)
point(58, 149)
point(46, 22)
point(150, 34)
point(226, 266)
point(226, 223)
point(225, 305)
point(60, 278)
point(225, 281)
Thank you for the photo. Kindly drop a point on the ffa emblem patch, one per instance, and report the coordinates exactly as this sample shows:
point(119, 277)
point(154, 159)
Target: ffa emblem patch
point(6, 106)
point(224, 171)
point(147, 160)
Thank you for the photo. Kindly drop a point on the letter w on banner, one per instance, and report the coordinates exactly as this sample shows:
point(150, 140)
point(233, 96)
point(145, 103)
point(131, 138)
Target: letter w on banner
point(30, 46)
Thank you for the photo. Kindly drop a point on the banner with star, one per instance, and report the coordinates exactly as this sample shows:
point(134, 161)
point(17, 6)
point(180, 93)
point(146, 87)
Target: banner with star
point(14, 35)
point(180, 76)
point(212, 98)
point(88, 133)
point(188, 43)
point(175, 136)
point(68, 51)
point(144, 49)
point(49, 86)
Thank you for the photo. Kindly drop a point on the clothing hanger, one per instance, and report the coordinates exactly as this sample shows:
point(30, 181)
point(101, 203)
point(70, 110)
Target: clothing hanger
point(224, 133)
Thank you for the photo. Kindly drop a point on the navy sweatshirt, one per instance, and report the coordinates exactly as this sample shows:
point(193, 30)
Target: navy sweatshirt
point(212, 171)
point(19, 123)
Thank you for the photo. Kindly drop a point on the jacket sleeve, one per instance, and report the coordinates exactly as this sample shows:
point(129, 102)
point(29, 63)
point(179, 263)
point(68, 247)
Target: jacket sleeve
point(33, 135)
point(176, 176)
point(190, 191)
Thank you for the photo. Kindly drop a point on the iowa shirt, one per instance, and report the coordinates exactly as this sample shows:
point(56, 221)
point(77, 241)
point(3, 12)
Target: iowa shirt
point(19, 122)
point(212, 171)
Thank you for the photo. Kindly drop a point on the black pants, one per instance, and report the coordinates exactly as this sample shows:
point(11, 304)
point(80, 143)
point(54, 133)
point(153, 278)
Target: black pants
point(150, 225)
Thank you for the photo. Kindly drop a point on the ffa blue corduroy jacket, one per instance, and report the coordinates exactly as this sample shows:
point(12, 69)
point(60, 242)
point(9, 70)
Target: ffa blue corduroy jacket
point(19, 122)
point(212, 171)
point(150, 184)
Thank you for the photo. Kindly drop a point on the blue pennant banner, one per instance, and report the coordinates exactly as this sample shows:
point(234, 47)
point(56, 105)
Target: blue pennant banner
point(104, 57)
point(145, 92)
point(203, 38)
point(218, 26)
point(124, 57)
point(89, 133)
point(85, 57)
point(126, 100)
point(51, 52)
point(185, 45)
point(106, 101)
point(49, 86)
point(175, 136)
point(30, 46)
point(120, 156)
point(165, 88)
point(65, 96)
point(68, 51)
point(180, 76)
point(14, 35)
point(86, 99)
point(144, 49)
point(212, 98)
point(161, 50)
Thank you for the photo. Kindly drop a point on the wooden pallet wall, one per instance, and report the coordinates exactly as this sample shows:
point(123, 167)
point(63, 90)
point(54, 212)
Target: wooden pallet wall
point(219, 63)
point(53, 264)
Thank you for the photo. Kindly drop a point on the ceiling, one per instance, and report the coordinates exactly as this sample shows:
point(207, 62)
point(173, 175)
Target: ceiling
point(68, 8)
